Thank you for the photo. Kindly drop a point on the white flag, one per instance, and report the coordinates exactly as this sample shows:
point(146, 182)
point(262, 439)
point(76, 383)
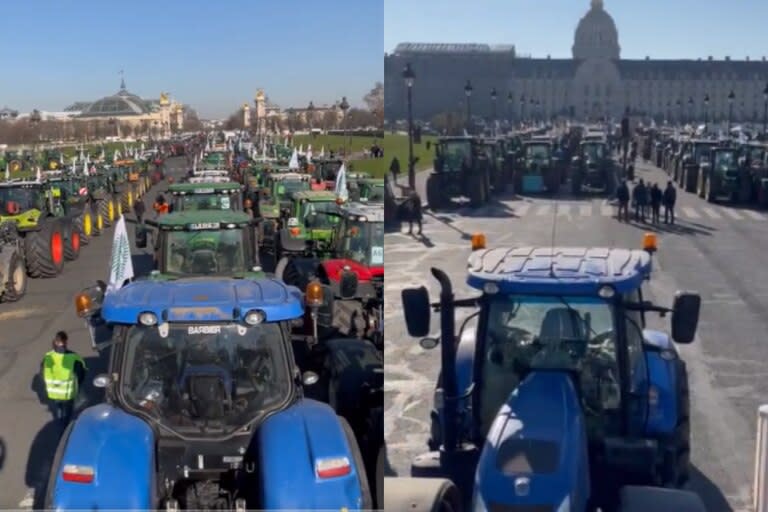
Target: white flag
point(322, 152)
point(121, 264)
point(309, 154)
point(341, 184)
point(294, 163)
point(301, 149)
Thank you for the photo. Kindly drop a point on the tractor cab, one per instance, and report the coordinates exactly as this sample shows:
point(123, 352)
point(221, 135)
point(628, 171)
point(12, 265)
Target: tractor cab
point(727, 178)
point(367, 190)
point(592, 166)
point(199, 243)
point(536, 171)
point(206, 196)
point(326, 170)
point(17, 197)
point(555, 377)
point(308, 217)
point(696, 161)
point(461, 168)
point(281, 187)
point(209, 173)
point(203, 398)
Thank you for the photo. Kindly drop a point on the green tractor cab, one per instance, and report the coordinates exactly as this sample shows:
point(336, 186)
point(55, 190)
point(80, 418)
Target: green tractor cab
point(369, 190)
point(593, 170)
point(78, 203)
point(308, 220)
point(536, 172)
point(727, 179)
point(106, 200)
point(206, 196)
point(201, 243)
point(459, 168)
point(326, 170)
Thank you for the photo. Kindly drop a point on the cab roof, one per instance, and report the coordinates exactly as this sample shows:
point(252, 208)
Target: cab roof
point(558, 270)
point(315, 196)
point(197, 300)
point(184, 218)
point(372, 212)
point(195, 187)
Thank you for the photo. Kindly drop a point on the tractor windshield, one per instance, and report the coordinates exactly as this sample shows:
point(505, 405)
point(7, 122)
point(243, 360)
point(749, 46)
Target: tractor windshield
point(329, 170)
point(725, 161)
point(27, 198)
point(701, 153)
point(315, 216)
point(538, 152)
point(364, 242)
point(205, 378)
point(205, 202)
point(594, 152)
point(205, 252)
point(527, 333)
point(287, 187)
point(456, 154)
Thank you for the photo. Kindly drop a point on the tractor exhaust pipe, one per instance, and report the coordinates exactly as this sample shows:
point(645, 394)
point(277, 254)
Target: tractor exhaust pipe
point(760, 489)
point(448, 360)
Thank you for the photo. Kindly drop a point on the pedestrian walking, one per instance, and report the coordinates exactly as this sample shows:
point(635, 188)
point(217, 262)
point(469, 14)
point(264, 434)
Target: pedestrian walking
point(669, 198)
point(622, 194)
point(394, 168)
point(640, 197)
point(63, 373)
point(139, 209)
point(656, 197)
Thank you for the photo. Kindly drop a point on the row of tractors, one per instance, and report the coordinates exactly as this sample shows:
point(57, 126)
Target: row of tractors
point(47, 216)
point(530, 162)
point(714, 169)
point(240, 388)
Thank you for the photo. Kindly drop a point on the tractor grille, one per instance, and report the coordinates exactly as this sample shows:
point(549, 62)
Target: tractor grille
point(498, 507)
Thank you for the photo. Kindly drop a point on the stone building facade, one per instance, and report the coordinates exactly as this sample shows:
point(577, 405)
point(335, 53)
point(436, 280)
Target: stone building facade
point(595, 83)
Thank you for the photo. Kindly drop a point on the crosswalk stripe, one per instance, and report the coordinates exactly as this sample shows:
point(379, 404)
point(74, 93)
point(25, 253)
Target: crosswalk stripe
point(607, 210)
point(564, 210)
point(731, 213)
point(712, 213)
point(522, 210)
point(754, 215)
point(543, 209)
point(585, 210)
point(690, 212)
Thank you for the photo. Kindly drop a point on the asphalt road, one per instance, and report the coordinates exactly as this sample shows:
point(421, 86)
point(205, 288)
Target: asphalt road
point(28, 437)
point(715, 250)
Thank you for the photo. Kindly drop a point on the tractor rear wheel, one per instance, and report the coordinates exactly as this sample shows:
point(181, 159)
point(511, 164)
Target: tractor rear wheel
point(435, 198)
point(16, 286)
point(98, 220)
point(72, 243)
point(85, 225)
point(106, 210)
point(44, 250)
point(126, 201)
point(365, 488)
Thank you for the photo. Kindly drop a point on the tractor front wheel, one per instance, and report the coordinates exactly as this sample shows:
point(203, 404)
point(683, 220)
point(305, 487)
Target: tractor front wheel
point(72, 244)
point(16, 286)
point(44, 250)
point(85, 226)
point(106, 211)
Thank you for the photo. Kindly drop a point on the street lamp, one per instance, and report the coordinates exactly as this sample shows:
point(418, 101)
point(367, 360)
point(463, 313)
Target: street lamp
point(344, 107)
point(669, 111)
point(468, 93)
point(522, 108)
point(731, 97)
point(690, 108)
point(680, 111)
point(510, 99)
point(706, 111)
point(310, 115)
point(493, 105)
point(765, 109)
point(409, 76)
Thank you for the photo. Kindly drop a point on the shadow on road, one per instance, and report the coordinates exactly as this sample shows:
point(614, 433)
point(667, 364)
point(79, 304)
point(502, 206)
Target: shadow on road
point(683, 229)
point(46, 442)
point(713, 498)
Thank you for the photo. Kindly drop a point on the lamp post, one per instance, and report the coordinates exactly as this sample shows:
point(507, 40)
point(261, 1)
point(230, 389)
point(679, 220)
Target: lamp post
point(344, 107)
point(522, 108)
point(510, 99)
point(706, 111)
point(669, 111)
point(690, 109)
point(765, 109)
point(468, 92)
point(493, 109)
point(731, 97)
point(310, 116)
point(679, 111)
point(409, 76)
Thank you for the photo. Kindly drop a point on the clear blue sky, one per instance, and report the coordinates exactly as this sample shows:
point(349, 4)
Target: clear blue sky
point(662, 29)
point(211, 54)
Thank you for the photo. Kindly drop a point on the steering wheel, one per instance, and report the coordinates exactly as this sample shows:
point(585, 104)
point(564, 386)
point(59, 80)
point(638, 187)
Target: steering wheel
point(260, 370)
point(497, 341)
point(601, 339)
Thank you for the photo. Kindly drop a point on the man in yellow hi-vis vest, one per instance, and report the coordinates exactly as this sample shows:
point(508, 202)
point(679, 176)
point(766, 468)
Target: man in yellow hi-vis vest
point(63, 373)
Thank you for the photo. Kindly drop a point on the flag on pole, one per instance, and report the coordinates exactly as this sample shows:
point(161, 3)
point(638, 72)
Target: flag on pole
point(301, 149)
point(294, 163)
point(309, 154)
point(39, 175)
point(341, 184)
point(7, 171)
point(121, 264)
point(322, 152)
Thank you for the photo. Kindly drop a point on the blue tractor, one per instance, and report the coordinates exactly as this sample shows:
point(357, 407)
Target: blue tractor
point(204, 407)
point(554, 396)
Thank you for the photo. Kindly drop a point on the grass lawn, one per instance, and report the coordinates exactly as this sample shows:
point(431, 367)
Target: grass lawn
point(397, 146)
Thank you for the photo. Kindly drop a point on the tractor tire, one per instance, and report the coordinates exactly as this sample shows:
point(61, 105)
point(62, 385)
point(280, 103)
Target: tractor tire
point(126, 201)
point(98, 220)
point(118, 208)
point(676, 468)
point(365, 488)
point(85, 225)
point(710, 197)
point(476, 192)
point(422, 495)
point(44, 250)
point(107, 211)
point(72, 243)
point(16, 286)
point(435, 198)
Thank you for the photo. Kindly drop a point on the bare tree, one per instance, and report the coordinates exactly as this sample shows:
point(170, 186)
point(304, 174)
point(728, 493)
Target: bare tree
point(330, 120)
point(359, 118)
point(375, 98)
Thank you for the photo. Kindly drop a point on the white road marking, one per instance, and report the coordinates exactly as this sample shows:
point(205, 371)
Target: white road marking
point(585, 210)
point(711, 213)
point(607, 210)
point(564, 210)
point(731, 213)
point(28, 501)
point(21, 313)
point(543, 209)
point(522, 209)
point(690, 212)
point(753, 214)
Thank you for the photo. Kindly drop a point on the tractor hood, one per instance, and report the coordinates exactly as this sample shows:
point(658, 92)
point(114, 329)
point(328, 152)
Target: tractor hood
point(364, 273)
point(535, 453)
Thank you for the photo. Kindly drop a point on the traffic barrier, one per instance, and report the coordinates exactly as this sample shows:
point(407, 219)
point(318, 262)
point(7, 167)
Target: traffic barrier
point(760, 487)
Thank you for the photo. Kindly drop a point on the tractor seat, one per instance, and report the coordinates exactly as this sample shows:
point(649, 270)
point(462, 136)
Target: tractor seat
point(204, 262)
point(561, 323)
point(207, 388)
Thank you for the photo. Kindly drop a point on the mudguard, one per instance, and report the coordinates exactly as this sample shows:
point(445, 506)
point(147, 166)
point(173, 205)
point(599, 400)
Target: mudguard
point(121, 450)
point(536, 450)
point(662, 375)
point(334, 267)
point(291, 442)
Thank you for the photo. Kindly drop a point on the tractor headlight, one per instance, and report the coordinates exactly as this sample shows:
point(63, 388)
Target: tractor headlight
point(148, 319)
point(254, 317)
point(491, 288)
point(606, 292)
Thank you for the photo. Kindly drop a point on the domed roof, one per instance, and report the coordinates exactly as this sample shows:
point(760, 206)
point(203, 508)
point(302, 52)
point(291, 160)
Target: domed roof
point(596, 35)
point(123, 103)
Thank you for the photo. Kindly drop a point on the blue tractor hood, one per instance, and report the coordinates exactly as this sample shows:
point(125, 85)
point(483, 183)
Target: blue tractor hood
point(203, 300)
point(536, 450)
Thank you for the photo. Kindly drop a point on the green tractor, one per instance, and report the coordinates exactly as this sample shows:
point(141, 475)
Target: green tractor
point(307, 221)
point(495, 153)
point(460, 168)
point(51, 160)
point(45, 220)
point(13, 269)
point(593, 169)
point(202, 243)
point(727, 179)
point(75, 193)
point(536, 170)
point(206, 196)
point(105, 198)
point(124, 189)
point(369, 190)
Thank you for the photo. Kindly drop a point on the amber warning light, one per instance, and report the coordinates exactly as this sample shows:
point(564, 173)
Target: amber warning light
point(314, 294)
point(82, 304)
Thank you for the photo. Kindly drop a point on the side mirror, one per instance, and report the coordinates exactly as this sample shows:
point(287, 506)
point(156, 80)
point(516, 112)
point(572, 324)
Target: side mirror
point(309, 378)
point(416, 309)
point(347, 283)
point(685, 316)
point(102, 381)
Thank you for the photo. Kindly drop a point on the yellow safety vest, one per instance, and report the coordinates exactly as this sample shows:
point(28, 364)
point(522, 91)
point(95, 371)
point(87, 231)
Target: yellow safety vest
point(59, 375)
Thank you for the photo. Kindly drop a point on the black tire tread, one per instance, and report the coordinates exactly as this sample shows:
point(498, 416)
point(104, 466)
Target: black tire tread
point(37, 251)
point(10, 294)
